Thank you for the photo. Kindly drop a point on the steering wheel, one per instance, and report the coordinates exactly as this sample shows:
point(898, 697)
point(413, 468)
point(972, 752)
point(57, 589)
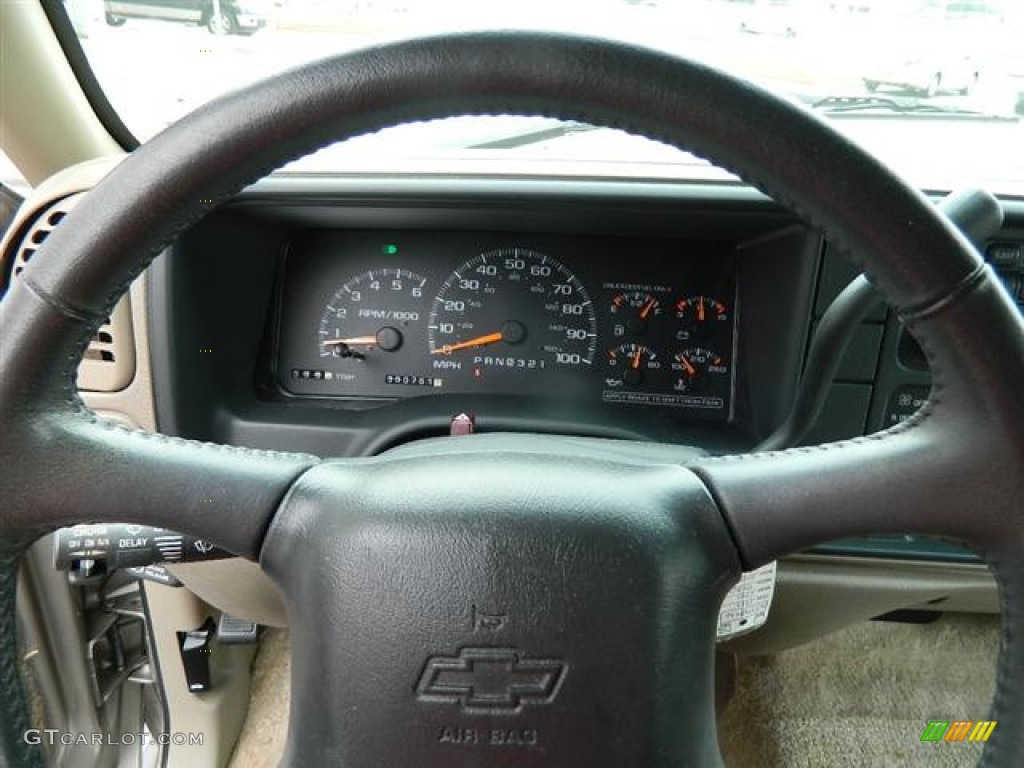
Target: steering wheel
point(605, 561)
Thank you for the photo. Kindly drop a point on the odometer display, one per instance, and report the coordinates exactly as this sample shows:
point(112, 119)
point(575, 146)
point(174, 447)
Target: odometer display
point(512, 309)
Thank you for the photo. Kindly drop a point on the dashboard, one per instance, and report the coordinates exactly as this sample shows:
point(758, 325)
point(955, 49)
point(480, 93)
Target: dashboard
point(628, 321)
point(342, 317)
point(345, 316)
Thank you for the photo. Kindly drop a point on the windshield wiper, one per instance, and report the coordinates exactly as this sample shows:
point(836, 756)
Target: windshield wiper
point(834, 105)
point(534, 136)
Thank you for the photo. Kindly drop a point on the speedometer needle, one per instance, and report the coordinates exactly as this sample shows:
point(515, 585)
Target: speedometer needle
point(479, 341)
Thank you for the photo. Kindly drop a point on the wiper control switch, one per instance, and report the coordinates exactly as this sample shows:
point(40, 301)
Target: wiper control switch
point(90, 552)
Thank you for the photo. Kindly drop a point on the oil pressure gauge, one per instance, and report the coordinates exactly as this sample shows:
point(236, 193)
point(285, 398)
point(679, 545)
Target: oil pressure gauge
point(634, 363)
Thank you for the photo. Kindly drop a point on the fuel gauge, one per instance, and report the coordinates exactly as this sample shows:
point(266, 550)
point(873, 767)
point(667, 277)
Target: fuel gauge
point(633, 311)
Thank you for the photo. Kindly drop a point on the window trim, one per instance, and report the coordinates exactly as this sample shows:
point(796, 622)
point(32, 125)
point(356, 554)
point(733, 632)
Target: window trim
point(57, 15)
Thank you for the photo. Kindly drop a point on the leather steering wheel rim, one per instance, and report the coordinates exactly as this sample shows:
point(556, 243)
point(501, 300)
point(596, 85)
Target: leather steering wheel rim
point(63, 466)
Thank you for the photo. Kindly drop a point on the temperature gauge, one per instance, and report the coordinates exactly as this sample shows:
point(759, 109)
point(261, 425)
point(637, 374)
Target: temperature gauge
point(633, 362)
point(697, 369)
point(633, 311)
point(700, 317)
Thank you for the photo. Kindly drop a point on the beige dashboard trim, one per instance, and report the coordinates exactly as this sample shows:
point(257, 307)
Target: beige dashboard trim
point(815, 594)
point(820, 594)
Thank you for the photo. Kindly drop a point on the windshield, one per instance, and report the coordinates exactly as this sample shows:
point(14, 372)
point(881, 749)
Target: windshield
point(935, 88)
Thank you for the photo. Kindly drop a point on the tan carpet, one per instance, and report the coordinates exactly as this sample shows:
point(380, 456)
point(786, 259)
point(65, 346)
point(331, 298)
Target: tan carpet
point(261, 743)
point(860, 697)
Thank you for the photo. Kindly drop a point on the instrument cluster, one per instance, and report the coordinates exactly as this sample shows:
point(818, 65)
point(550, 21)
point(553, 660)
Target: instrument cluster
point(631, 321)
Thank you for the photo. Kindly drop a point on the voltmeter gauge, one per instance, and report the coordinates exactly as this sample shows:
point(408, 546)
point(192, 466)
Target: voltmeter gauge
point(700, 317)
point(697, 369)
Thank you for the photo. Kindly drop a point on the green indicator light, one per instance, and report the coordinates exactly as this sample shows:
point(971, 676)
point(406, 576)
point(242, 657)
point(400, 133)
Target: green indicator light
point(390, 249)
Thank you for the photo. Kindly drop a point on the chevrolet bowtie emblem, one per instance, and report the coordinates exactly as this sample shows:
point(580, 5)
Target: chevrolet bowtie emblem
point(490, 680)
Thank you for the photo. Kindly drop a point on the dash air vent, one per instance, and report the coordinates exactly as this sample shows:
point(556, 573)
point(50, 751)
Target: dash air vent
point(109, 361)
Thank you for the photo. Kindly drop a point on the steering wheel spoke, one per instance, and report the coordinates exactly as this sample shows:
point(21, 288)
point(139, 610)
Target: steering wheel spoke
point(93, 470)
point(782, 502)
point(64, 465)
point(947, 472)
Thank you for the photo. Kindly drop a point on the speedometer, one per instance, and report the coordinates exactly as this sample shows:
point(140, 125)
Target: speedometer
point(512, 308)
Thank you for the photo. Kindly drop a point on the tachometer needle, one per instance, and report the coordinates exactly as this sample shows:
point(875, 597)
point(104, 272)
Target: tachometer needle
point(354, 341)
point(479, 341)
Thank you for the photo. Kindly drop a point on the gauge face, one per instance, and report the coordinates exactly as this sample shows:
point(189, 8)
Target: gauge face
point(512, 308)
point(696, 369)
point(370, 314)
point(635, 363)
point(700, 316)
point(633, 312)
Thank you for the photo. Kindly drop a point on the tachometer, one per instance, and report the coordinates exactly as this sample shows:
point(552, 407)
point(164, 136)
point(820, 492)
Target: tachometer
point(513, 308)
point(372, 311)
